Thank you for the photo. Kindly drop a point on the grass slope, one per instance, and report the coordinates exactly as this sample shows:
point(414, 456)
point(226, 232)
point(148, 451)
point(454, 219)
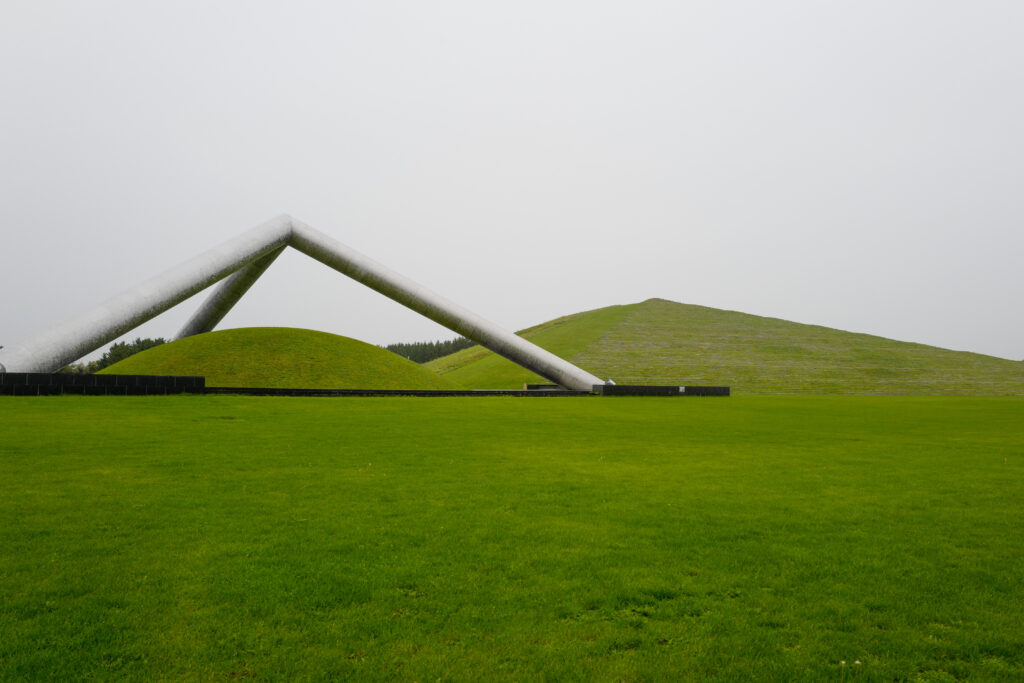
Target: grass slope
point(566, 337)
point(281, 357)
point(754, 538)
point(664, 342)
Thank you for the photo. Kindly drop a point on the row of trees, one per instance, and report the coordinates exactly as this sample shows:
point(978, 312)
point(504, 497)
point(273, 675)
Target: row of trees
point(421, 352)
point(118, 351)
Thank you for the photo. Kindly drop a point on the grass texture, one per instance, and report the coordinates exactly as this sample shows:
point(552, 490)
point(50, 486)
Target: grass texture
point(664, 342)
point(281, 357)
point(759, 538)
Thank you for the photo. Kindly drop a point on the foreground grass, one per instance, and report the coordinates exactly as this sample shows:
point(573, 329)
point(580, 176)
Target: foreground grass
point(762, 538)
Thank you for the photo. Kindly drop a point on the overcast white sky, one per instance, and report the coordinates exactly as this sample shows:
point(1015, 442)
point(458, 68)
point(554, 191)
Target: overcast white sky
point(857, 165)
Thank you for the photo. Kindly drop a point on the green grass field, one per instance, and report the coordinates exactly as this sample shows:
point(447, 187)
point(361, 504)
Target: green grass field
point(748, 538)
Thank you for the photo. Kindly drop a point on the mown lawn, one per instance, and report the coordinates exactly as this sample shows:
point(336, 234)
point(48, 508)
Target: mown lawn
point(743, 538)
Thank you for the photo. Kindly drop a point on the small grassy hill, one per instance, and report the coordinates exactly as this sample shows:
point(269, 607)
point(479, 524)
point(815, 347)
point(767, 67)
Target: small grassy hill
point(281, 357)
point(664, 342)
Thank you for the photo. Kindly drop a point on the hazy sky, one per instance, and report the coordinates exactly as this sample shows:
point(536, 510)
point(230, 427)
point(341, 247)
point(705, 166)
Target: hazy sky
point(858, 165)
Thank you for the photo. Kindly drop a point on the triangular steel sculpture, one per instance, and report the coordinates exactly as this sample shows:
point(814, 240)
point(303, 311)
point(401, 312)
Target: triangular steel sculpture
point(238, 263)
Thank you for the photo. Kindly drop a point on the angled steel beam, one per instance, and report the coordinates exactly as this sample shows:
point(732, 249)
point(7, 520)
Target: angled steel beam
point(248, 256)
point(363, 269)
point(226, 295)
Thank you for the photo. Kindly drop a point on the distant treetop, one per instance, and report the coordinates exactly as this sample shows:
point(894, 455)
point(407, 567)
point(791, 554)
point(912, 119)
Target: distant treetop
point(118, 351)
point(421, 352)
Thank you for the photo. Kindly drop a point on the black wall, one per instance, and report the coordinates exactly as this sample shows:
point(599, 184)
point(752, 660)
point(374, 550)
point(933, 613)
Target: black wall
point(43, 384)
point(642, 390)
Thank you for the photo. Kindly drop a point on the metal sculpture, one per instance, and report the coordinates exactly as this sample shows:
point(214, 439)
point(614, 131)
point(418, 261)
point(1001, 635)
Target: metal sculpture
point(237, 264)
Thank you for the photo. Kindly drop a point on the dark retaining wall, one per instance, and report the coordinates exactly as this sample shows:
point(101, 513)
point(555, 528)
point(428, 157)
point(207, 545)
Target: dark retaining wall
point(41, 384)
point(250, 391)
point(44, 384)
point(641, 390)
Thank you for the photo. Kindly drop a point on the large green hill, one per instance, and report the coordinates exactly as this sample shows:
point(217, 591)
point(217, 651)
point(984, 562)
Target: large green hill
point(281, 357)
point(664, 342)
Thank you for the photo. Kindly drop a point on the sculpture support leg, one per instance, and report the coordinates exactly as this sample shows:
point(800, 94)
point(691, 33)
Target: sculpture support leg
point(439, 309)
point(226, 295)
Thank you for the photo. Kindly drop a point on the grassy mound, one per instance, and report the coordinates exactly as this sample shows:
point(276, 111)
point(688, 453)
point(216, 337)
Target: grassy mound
point(281, 357)
point(664, 342)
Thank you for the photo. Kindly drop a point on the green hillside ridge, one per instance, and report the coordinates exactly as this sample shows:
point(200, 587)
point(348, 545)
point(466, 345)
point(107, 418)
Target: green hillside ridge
point(665, 342)
point(281, 357)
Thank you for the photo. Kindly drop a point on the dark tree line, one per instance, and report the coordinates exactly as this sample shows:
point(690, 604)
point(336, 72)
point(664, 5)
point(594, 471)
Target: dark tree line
point(117, 351)
point(421, 352)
